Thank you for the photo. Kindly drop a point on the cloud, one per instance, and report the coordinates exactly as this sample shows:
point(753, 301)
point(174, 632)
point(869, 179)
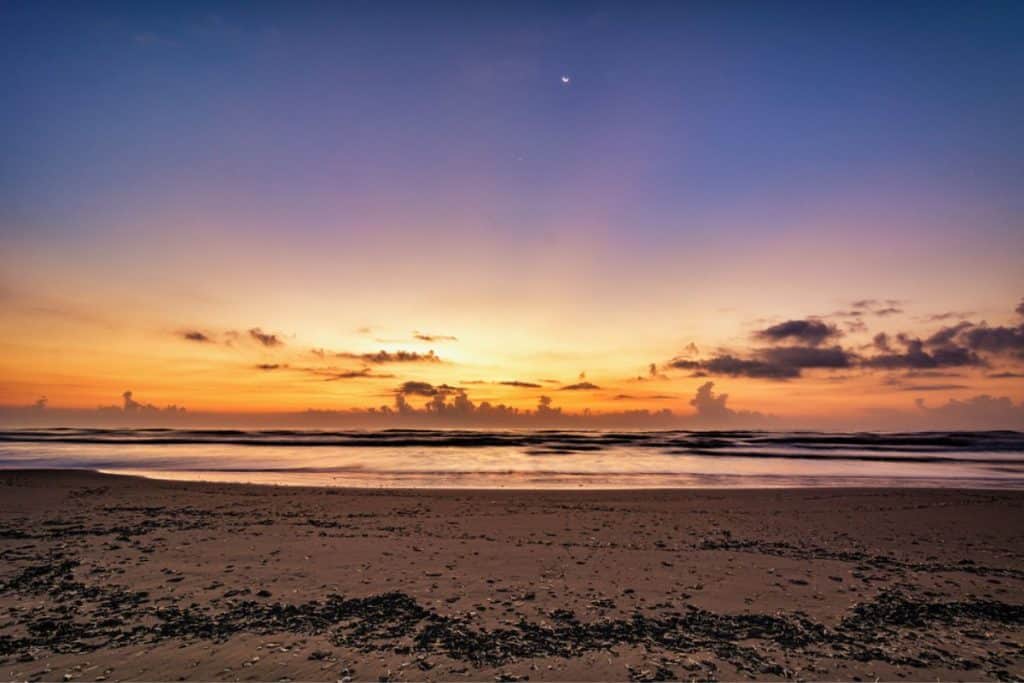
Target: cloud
point(915, 356)
point(652, 374)
point(382, 357)
point(265, 338)
point(855, 325)
point(417, 389)
point(777, 362)
point(195, 336)
point(978, 412)
point(933, 387)
point(882, 308)
point(946, 335)
point(811, 332)
point(732, 366)
point(807, 357)
point(1006, 375)
point(709, 405)
point(434, 337)
point(426, 389)
point(995, 340)
point(938, 317)
point(713, 410)
point(130, 406)
point(517, 383)
point(580, 386)
point(269, 366)
point(931, 374)
point(355, 374)
point(645, 397)
point(964, 344)
point(955, 345)
point(1020, 308)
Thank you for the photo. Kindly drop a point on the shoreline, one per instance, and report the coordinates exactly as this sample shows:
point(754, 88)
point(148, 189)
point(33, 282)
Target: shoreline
point(742, 483)
point(163, 579)
point(442, 490)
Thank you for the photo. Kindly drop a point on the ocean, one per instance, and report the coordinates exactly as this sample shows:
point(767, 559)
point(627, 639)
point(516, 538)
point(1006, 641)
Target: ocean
point(532, 459)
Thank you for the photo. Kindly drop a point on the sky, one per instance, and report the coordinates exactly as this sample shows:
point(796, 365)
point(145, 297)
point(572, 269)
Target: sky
point(384, 212)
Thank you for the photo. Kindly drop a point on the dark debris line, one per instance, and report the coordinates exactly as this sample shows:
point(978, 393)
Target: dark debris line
point(396, 622)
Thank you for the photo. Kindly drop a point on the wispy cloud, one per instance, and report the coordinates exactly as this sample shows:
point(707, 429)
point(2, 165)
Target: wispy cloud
point(422, 336)
point(265, 338)
point(580, 386)
point(196, 336)
point(383, 357)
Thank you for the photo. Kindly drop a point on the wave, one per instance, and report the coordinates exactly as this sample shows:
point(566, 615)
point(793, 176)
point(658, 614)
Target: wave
point(538, 458)
point(550, 441)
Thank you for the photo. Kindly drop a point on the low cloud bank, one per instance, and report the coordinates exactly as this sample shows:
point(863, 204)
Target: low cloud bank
point(429, 406)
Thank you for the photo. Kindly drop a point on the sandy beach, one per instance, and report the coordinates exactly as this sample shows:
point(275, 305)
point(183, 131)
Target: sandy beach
point(112, 578)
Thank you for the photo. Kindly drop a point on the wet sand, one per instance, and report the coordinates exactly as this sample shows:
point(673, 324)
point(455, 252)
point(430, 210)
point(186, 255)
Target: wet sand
point(110, 578)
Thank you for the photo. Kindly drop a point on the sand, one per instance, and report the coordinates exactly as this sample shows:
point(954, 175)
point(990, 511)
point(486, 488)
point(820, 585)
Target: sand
point(109, 578)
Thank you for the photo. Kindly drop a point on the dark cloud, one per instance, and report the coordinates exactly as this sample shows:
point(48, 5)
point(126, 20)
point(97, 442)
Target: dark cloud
point(961, 345)
point(807, 357)
point(195, 336)
point(265, 338)
point(946, 335)
point(915, 356)
point(434, 337)
point(382, 357)
point(811, 332)
point(995, 339)
point(354, 374)
point(269, 366)
point(732, 366)
point(1006, 375)
point(580, 386)
point(518, 383)
point(953, 345)
point(778, 362)
point(933, 387)
point(417, 389)
point(1020, 308)
point(889, 310)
